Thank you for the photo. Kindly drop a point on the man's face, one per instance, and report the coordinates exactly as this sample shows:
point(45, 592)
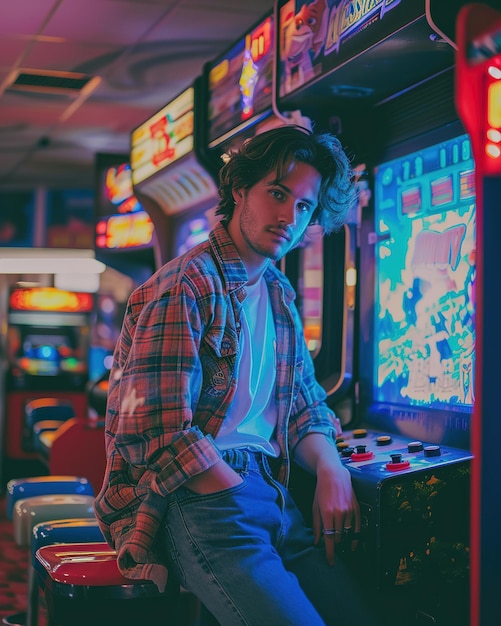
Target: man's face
point(270, 218)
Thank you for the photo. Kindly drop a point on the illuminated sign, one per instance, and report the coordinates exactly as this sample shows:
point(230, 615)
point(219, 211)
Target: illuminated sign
point(117, 186)
point(50, 299)
point(478, 86)
point(313, 35)
point(124, 231)
point(118, 183)
point(349, 16)
point(493, 130)
point(164, 138)
point(240, 82)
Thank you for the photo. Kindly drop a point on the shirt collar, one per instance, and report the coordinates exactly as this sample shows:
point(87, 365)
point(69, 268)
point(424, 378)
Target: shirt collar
point(232, 268)
point(227, 257)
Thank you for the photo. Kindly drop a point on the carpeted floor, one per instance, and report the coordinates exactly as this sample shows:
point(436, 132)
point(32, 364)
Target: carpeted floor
point(14, 573)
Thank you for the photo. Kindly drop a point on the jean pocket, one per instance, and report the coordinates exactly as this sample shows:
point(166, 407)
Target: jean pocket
point(184, 495)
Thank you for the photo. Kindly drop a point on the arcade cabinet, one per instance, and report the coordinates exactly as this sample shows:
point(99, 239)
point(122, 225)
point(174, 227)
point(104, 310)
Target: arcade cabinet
point(381, 77)
point(173, 186)
point(48, 334)
point(125, 236)
point(126, 241)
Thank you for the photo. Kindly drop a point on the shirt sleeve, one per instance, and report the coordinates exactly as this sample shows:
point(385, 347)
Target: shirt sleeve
point(159, 384)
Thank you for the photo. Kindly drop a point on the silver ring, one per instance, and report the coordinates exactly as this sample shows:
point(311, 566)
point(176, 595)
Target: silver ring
point(347, 529)
point(331, 531)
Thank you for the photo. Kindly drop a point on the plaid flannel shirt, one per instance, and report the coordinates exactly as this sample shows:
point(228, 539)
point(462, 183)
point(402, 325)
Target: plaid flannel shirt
point(173, 378)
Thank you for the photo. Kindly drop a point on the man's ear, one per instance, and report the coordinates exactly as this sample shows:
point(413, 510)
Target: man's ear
point(237, 195)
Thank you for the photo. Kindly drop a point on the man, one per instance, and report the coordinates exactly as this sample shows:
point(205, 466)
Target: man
point(212, 386)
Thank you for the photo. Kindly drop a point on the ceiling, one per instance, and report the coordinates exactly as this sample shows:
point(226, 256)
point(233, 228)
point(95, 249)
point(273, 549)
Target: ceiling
point(131, 57)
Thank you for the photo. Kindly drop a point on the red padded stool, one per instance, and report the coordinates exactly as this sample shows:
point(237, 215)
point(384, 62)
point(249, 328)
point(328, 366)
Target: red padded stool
point(84, 586)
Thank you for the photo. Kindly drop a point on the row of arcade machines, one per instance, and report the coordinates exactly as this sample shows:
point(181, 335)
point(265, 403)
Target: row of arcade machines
point(390, 302)
point(59, 343)
point(416, 93)
point(381, 77)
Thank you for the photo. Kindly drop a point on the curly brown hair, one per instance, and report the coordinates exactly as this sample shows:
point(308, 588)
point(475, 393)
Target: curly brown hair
point(273, 151)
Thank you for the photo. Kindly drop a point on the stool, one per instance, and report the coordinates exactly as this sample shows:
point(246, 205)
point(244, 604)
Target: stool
point(43, 409)
point(32, 511)
point(50, 533)
point(84, 586)
point(22, 488)
point(43, 427)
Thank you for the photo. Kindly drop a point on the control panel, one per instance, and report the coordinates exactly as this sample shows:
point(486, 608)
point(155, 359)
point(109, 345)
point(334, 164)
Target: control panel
point(374, 456)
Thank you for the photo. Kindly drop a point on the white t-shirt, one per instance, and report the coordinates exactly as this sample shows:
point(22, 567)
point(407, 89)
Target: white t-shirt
point(252, 416)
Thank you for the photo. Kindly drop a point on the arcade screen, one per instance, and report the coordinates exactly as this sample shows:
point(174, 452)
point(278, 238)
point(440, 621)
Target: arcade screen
point(240, 81)
point(49, 352)
point(190, 232)
point(424, 313)
point(163, 138)
point(48, 336)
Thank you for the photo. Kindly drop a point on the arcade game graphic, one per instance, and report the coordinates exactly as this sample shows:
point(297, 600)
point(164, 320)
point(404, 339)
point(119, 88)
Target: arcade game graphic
point(240, 82)
point(425, 264)
point(317, 36)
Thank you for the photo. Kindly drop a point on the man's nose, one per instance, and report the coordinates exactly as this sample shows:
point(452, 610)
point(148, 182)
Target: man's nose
point(287, 213)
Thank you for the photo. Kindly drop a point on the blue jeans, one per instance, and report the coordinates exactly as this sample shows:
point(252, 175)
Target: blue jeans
point(247, 554)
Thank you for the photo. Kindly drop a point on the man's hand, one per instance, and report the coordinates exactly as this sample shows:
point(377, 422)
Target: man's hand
point(336, 512)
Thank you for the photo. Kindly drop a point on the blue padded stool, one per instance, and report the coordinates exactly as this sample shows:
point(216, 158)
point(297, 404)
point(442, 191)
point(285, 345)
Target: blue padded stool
point(22, 488)
point(32, 511)
point(52, 532)
point(44, 409)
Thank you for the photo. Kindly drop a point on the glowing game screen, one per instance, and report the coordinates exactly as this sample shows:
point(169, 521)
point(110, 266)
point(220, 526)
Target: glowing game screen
point(240, 82)
point(40, 351)
point(424, 313)
point(48, 355)
point(191, 232)
point(124, 224)
point(48, 335)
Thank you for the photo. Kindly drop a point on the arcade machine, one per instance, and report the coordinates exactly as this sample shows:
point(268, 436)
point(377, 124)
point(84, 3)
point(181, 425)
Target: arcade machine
point(48, 338)
point(411, 461)
point(125, 237)
point(478, 100)
point(326, 302)
point(125, 240)
point(168, 179)
point(381, 76)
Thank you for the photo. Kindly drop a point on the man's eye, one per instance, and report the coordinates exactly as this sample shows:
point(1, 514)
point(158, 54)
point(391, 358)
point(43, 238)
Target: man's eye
point(276, 194)
point(304, 208)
